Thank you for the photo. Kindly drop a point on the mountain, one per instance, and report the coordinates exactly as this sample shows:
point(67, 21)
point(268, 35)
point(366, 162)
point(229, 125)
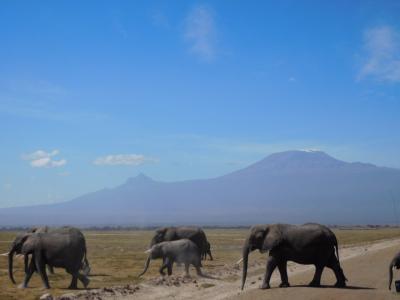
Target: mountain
point(291, 186)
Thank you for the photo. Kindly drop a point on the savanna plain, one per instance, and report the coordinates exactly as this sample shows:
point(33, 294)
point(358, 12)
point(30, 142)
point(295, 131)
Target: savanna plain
point(117, 257)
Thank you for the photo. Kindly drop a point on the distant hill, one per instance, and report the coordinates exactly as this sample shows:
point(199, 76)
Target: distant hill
point(291, 186)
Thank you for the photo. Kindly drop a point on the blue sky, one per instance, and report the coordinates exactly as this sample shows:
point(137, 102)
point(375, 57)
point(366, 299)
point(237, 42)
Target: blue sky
point(94, 92)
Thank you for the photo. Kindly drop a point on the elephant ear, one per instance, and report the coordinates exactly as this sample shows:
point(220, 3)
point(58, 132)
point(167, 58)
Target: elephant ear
point(29, 244)
point(170, 234)
point(272, 239)
point(162, 231)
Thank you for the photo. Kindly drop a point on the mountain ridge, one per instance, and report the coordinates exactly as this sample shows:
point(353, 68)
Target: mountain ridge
point(292, 186)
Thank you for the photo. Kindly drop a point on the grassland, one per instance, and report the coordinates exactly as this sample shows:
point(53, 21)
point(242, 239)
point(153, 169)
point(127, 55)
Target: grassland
point(116, 257)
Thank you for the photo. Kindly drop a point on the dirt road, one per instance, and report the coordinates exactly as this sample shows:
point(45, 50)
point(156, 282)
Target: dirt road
point(367, 274)
point(366, 268)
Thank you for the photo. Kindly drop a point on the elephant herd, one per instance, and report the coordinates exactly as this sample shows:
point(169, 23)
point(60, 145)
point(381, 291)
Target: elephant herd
point(65, 248)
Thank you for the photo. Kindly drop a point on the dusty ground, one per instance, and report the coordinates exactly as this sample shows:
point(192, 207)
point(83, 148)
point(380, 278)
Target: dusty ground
point(117, 257)
point(365, 266)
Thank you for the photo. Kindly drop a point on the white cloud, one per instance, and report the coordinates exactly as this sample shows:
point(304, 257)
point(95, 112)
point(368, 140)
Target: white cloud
point(122, 159)
point(200, 32)
point(382, 60)
point(43, 159)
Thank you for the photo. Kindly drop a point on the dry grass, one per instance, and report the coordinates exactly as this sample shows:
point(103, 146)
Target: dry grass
point(117, 257)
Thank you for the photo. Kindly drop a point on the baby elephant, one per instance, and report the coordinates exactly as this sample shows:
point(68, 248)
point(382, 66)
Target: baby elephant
point(394, 264)
point(180, 251)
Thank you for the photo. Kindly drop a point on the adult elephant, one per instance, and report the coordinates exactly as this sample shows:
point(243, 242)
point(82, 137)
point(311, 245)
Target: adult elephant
point(195, 234)
point(64, 249)
point(305, 244)
point(44, 229)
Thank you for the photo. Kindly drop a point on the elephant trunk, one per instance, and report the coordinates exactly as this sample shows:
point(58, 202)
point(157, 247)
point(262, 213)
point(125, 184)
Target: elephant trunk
point(390, 276)
point(246, 251)
point(10, 265)
point(146, 266)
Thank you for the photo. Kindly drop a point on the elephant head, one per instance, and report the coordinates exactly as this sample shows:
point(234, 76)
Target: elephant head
point(394, 264)
point(262, 238)
point(163, 234)
point(22, 244)
point(154, 252)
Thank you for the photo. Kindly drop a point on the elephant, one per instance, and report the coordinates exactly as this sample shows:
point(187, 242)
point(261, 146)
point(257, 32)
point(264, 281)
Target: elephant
point(195, 234)
point(305, 244)
point(85, 265)
point(181, 251)
point(65, 248)
point(208, 252)
point(395, 263)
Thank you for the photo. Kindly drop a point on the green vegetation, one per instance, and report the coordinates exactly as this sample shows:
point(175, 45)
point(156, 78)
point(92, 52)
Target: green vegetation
point(116, 257)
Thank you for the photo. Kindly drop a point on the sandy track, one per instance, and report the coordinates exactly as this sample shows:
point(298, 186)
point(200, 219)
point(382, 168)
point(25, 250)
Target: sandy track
point(366, 268)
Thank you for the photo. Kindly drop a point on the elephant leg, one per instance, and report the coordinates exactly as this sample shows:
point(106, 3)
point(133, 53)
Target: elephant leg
point(74, 281)
point(271, 265)
point(209, 254)
point(316, 281)
point(187, 270)
point(161, 270)
point(340, 278)
point(282, 266)
point(28, 273)
point(169, 267)
point(164, 265)
point(41, 268)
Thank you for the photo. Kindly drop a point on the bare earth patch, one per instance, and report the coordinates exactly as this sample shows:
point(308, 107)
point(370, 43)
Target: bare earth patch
point(225, 281)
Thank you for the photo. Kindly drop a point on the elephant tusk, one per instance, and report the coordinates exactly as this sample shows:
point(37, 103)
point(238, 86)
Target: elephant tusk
point(147, 251)
point(239, 261)
point(5, 254)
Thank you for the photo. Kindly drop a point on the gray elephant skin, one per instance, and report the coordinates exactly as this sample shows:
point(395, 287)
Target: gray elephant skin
point(395, 263)
point(181, 251)
point(63, 248)
point(195, 234)
point(304, 244)
point(45, 229)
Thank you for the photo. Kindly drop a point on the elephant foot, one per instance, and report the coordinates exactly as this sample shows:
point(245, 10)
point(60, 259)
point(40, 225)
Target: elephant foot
point(265, 286)
point(284, 285)
point(340, 284)
point(314, 284)
point(72, 287)
point(22, 286)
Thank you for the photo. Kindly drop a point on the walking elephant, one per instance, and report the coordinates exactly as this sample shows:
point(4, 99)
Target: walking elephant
point(395, 263)
point(180, 251)
point(195, 234)
point(63, 249)
point(85, 266)
point(305, 244)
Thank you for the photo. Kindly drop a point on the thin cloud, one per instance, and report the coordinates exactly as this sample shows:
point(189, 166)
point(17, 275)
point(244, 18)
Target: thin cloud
point(43, 159)
point(382, 59)
point(123, 159)
point(200, 32)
